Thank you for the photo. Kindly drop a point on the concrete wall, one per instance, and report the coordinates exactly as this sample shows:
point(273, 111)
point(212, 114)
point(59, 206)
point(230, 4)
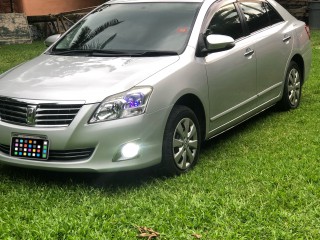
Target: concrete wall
point(14, 29)
point(45, 7)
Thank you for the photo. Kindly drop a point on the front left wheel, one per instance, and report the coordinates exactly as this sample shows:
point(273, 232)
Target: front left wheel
point(181, 141)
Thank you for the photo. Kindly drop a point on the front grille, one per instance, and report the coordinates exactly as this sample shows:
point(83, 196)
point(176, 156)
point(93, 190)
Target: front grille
point(13, 111)
point(60, 155)
point(54, 114)
point(70, 155)
point(5, 149)
point(41, 114)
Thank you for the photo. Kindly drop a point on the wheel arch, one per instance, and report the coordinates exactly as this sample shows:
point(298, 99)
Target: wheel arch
point(194, 103)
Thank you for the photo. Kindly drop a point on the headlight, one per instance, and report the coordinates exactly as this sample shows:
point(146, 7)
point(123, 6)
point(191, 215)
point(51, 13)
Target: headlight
point(128, 104)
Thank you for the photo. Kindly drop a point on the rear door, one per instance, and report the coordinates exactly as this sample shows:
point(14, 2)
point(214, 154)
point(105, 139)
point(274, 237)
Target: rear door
point(273, 39)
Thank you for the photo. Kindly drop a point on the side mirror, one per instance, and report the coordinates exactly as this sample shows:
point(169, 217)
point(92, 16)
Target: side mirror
point(215, 42)
point(50, 40)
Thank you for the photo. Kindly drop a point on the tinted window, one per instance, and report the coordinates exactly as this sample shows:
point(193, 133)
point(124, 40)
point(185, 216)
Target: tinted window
point(256, 15)
point(134, 27)
point(259, 15)
point(226, 21)
point(273, 14)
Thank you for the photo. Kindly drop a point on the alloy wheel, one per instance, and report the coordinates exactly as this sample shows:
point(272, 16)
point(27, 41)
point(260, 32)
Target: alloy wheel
point(185, 143)
point(294, 85)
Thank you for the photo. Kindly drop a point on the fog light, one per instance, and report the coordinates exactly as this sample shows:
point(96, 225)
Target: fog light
point(130, 150)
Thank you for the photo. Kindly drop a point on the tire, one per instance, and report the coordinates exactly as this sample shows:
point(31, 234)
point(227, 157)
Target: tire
point(181, 141)
point(292, 88)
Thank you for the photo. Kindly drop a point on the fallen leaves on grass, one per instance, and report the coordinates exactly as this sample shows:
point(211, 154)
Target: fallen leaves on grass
point(197, 236)
point(147, 233)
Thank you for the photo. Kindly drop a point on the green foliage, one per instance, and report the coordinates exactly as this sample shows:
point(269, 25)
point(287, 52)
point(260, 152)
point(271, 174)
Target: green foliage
point(12, 55)
point(258, 181)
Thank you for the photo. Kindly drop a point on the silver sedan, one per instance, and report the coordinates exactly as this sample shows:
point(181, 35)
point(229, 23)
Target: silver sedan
point(141, 83)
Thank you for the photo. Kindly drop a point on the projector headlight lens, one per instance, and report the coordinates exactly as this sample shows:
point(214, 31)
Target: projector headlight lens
point(128, 104)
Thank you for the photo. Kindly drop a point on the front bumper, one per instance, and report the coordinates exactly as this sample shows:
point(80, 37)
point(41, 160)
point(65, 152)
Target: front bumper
point(106, 138)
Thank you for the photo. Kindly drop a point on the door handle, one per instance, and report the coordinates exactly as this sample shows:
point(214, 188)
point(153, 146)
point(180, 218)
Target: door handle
point(249, 52)
point(286, 38)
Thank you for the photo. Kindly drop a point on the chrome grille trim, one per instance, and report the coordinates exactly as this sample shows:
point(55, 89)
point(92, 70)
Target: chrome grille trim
point(60, 155)
point(44, 114)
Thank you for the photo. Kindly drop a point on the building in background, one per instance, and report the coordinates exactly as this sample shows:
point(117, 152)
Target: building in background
point(45, 7)
point(14, 26)
point(22, 20)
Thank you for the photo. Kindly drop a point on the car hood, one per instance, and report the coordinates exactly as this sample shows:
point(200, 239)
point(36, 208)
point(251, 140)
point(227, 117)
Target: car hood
point(90, 79)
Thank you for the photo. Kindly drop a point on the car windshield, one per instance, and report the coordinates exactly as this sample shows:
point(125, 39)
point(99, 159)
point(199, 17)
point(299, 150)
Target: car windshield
point(136, 28)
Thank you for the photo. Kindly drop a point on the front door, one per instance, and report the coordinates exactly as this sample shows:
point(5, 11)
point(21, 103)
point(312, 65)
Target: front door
point(231, 73)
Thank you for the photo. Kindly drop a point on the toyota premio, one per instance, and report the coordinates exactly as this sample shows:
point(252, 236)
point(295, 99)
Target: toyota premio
point(140, 83)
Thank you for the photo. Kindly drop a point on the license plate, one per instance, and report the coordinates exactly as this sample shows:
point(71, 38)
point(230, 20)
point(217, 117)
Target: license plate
point(29, 147)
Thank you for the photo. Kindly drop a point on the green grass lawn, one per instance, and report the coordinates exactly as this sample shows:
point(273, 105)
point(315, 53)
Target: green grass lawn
point(260, 180)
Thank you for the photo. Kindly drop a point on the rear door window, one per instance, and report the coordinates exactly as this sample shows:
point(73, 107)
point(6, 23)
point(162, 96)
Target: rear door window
point(259, 14)
point(255, 15)
point(274, 16)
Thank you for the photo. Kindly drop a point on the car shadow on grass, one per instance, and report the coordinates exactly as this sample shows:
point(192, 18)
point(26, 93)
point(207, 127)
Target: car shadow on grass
point(119, 180)
point(243, 127)
point(107, 181)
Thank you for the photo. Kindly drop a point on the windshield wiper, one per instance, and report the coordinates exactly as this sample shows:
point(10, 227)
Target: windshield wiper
point(108, 53)
point(156, 53)
point(92, 52)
